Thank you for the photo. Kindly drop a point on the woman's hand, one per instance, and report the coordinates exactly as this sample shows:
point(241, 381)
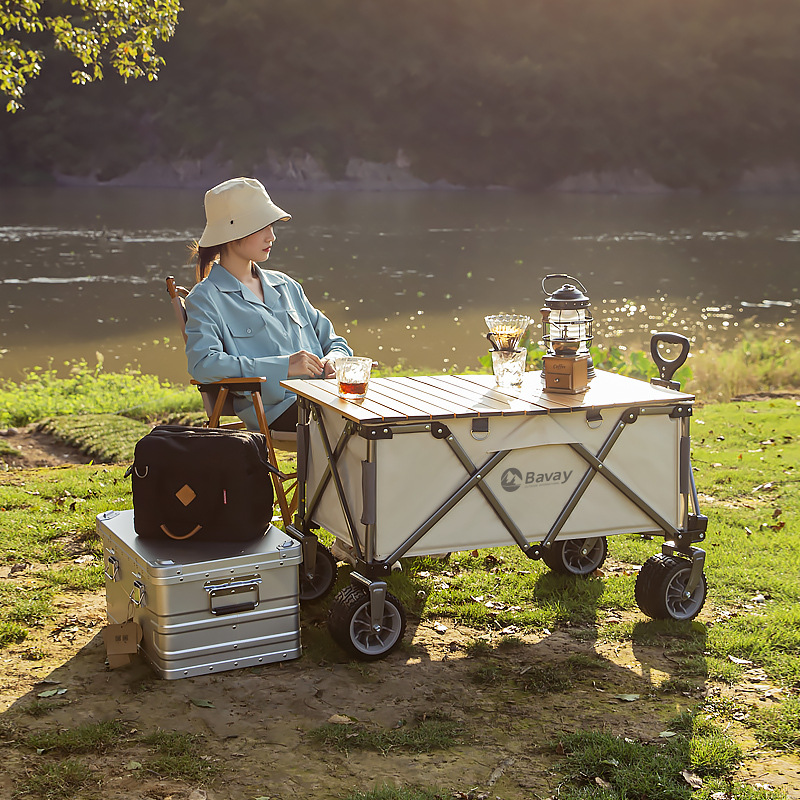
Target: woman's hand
point(303, 364)
point(330, 368)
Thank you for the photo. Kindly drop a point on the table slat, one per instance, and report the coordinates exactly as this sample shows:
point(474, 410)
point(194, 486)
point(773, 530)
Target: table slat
point(403, 389)
point(319, 391)
point(479, 399)
point(527, 399)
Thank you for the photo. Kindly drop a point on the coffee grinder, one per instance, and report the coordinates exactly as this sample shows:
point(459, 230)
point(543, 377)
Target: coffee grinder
point(566, 336)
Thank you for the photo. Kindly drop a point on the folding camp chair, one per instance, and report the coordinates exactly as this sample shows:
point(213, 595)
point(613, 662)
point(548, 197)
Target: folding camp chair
point(218, 403)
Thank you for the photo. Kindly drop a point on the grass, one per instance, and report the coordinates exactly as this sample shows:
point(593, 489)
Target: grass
point(92, 390)
point(89, 738)
point(745, 457)
point(400, 793)
point(779, 727)
point(178, 755)
point(106, 438)
point(61, 779)
point(172, 755)
point(597, 764)
point(757, 363)
point(423, 736)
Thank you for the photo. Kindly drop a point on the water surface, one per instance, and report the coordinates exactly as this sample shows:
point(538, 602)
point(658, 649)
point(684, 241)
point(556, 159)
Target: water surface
point(406, 276)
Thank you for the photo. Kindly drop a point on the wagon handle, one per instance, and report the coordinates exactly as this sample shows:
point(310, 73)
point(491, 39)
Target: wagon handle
point(666, 369)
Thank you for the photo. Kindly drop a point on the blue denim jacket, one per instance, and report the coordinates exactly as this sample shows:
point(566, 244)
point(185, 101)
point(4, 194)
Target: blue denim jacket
point(232, 334)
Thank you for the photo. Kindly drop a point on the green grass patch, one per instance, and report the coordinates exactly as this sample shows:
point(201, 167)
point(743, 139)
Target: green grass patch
point(424, 736)
point(91, 390)
point(778, 727)
point(6, 449)
point(47, 516)
point(758, 363)
point(400, 793)
point(106, 438)
point(178, 755)
point(47, 527)
point(598, 764)
point(31, 608)
point(769, 639)
point(61, 779)
point(12, 633)
point(90, 738)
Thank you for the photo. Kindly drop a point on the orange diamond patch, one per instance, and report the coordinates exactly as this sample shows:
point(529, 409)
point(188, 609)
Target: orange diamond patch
point(185, 494)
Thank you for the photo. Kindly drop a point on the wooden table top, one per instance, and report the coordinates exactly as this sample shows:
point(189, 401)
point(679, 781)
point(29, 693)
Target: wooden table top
point(429, 397)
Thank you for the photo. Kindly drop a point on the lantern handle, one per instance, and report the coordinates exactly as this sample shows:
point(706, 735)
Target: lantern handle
point(575, 280)
point(666, 369)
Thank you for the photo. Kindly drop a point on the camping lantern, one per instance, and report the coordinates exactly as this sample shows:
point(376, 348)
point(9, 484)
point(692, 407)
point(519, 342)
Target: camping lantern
point(566, 335)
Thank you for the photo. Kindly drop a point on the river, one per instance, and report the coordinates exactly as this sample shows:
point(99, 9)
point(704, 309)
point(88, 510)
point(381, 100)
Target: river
point(405, 276)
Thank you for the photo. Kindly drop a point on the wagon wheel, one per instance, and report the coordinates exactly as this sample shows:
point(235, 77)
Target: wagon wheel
point(350, 624)
point(661, 589)
point(321, 582)
point(576, 556)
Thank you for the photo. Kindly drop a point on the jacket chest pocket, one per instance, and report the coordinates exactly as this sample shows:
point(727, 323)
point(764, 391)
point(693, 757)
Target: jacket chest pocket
point(296, 327)
point(245, 329)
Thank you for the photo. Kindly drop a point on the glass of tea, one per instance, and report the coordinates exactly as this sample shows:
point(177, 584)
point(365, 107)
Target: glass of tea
point(352, 376)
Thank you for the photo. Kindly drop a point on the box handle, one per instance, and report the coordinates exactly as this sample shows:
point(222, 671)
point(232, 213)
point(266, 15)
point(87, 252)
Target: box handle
point(237, 591)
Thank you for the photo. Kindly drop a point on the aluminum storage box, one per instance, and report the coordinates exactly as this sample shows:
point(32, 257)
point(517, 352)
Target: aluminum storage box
point(204, 607)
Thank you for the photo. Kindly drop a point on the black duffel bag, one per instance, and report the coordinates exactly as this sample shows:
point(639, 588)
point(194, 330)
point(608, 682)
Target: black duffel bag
point(207, 484)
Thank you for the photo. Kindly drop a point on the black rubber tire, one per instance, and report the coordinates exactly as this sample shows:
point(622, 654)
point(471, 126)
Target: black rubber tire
point(567, 556)
point(325, 571)
point(349, 624)
point(659, 589)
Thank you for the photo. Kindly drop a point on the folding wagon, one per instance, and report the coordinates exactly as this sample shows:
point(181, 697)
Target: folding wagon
point(425, 465)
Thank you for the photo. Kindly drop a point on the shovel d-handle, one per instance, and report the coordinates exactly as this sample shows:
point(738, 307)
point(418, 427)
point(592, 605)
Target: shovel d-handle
point(667, 368)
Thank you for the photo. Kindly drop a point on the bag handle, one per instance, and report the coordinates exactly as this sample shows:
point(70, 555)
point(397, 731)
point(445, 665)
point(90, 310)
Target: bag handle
point(173, 536)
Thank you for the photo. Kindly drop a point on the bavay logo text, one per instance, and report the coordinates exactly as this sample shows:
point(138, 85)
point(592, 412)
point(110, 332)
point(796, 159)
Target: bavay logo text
point(513, 479)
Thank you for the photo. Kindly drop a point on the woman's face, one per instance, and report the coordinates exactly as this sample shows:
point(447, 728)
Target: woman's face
point(254, 247)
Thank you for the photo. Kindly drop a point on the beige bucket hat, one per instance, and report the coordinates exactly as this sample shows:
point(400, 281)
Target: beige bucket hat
point(237, 208)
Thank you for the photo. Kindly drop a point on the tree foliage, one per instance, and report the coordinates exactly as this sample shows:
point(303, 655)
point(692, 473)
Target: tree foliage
point(90, 30)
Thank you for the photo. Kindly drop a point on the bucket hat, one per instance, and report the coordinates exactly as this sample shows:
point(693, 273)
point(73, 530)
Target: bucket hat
point(237, 208)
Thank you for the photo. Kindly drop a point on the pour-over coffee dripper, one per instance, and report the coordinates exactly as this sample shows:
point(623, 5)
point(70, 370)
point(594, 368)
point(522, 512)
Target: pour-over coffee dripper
point(506, 330)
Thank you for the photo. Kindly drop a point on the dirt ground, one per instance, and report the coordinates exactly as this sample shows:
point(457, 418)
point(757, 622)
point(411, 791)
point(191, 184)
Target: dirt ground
point(255, 722)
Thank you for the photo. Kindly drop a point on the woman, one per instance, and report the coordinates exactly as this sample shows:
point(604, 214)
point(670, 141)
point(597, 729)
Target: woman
point(244, 321)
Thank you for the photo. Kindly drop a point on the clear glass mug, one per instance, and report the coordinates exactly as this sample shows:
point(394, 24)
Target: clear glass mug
point(352, 376)
point(509, 367)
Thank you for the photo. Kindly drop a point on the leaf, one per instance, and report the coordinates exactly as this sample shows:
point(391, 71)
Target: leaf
point(695, 781)
point(201, 703)
point(739, 660)
point(603, 784)
point(51, 692)
point(628, 698)
point(667, 734)
point(340, 719)
point(133, 765)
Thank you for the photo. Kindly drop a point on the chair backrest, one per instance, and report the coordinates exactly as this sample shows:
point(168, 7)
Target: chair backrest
point(177, 295)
